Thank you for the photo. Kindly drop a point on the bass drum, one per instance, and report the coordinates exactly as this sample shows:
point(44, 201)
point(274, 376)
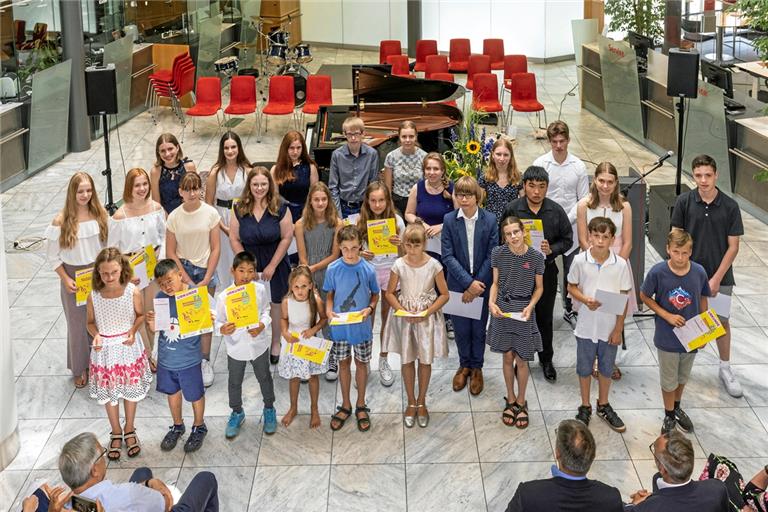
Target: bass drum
point(299, 75)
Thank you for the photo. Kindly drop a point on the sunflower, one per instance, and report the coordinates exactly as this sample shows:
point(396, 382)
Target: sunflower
point(473, 147)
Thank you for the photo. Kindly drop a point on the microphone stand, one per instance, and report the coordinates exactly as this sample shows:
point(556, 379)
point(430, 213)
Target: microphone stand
point(658, 164)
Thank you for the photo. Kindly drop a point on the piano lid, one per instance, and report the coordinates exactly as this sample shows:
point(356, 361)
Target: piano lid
point(372, 84)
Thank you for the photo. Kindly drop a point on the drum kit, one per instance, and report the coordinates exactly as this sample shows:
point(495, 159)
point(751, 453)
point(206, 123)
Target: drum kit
point(280, 58)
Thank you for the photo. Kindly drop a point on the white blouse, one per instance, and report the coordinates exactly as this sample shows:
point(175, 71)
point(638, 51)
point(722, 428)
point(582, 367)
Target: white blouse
point(85, 250)
point(132, 234)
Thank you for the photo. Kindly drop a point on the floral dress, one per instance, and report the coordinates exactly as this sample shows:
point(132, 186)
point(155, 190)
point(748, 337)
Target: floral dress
point(290, 367)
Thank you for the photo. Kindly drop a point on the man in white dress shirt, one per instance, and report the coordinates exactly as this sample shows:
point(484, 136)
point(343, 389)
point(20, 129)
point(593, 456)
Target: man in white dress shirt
point(568, 182)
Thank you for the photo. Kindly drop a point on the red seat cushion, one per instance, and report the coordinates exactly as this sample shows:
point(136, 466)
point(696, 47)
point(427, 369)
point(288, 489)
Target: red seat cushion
point(527, 106)
point(274, 108)
point(240, 108)
point(203, 109)
point(488, 106)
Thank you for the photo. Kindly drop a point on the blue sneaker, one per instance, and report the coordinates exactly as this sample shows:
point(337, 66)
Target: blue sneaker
point(233, 425)
point(270, 420)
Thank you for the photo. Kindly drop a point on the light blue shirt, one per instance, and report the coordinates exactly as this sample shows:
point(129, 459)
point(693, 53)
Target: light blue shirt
point(557, 473)
point(125, 497)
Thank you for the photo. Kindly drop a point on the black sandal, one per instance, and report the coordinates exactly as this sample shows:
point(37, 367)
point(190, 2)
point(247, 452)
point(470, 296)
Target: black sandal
point(509, 406)
point(521, 422)
point(364, 423)
point(114, 449)
point(339, 420)
point(132, 449)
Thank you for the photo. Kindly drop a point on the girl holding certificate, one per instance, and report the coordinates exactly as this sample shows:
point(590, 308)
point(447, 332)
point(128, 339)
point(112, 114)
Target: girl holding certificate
point(119, 366)
point(302, 317)
point(75, 237)
point(135, 226)
point(421, 334)
point(378, 205)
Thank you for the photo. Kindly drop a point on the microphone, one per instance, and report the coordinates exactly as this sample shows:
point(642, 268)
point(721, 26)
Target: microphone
point(663, 157)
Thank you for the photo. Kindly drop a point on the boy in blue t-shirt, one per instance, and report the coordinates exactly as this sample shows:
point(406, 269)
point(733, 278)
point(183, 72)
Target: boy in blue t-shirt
point(351, 285)
point(178, 364)
point(676, 290)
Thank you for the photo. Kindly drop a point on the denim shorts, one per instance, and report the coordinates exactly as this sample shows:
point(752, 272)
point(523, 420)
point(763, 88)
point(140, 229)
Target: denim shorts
point(189, 381)
point(587, 350)
point(197, 274)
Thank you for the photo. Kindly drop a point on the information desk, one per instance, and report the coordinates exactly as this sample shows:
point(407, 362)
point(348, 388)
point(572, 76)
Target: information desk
point(749, 155)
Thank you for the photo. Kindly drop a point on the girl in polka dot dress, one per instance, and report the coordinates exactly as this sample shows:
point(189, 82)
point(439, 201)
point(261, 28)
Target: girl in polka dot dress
point(119, 367)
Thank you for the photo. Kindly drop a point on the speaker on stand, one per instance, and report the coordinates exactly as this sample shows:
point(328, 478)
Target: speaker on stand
point(101, 100)
point(682, 83)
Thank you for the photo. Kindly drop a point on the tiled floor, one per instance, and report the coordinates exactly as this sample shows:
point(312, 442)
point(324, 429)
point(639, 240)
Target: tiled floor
point(467, 459)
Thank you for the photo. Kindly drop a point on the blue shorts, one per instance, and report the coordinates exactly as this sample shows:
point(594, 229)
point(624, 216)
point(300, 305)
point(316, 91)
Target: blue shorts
point(587, 350)
point(197, 274)
point(189, 381)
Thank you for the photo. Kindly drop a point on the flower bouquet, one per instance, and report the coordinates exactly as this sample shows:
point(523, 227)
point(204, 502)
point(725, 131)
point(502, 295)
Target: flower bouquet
point(470, 148)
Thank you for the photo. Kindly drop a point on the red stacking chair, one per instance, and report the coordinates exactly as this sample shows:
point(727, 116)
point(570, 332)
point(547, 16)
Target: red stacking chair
point(318, 94)
point(164, 77)
point(523, 96)
point(242, 95)
point(494, 48)
point(281, 102)
point(513, 64)
point(207, 100)
point(436, 64)
point(399, 65)
point(458, 55)
point(182, 83)
point(388, 47)
point(424, 48)
point(485, 96)
point(477, 64)
point(446, 77)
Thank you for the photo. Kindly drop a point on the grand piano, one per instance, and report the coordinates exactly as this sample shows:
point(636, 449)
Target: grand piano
point(383, 101)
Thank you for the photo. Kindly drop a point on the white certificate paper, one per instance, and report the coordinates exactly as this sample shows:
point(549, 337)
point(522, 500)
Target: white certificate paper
point(721, 303)
point(516, 315)
point(610, 302)
point(456, 306)
point(162, 314)
point(292, 249)
point(435, 244)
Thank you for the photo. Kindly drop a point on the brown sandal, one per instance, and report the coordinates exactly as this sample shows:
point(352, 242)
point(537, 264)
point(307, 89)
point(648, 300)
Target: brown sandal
point(81, 380)
point(508, 418)
point(113, 452)
point(521, 422)
point(616, 375)
point(132, 449)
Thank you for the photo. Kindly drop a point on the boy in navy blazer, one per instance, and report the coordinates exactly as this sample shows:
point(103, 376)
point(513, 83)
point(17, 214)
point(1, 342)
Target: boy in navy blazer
point(469, 235)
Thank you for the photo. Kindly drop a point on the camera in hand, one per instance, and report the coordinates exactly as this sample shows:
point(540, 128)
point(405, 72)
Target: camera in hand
point(81, 504)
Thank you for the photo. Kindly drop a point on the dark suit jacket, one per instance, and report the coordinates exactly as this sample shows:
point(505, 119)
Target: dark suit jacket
point(456, 256)
point(696, 496)
point(560, 494)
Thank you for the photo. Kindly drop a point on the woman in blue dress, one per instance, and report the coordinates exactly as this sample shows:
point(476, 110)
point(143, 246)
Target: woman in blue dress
point(169, 167)
point(263, 226)
point(294, 172)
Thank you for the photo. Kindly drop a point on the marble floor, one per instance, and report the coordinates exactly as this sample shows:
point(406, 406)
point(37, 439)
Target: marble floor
point(467, 459)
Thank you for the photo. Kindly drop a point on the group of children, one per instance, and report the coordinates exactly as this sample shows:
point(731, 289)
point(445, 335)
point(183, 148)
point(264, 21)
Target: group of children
point(339, 277)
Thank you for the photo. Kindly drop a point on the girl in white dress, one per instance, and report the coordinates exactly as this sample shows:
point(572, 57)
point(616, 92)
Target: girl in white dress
point(303, 313)
point(140, 223)
point(605, 200)
point(224, 184)
point(119, 366)
point(74, 239)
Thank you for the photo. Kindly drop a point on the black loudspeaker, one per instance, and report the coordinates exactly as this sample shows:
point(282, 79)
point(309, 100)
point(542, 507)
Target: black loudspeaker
point(101, 90)
point(661, 201)
point(683, 73)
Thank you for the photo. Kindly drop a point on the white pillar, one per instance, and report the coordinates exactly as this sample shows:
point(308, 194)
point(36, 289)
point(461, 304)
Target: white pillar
point(9, 418)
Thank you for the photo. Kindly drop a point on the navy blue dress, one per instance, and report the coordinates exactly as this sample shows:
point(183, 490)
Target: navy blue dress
point(431, 208)
point(169, 185)
point(295, 192)
point(261, 239)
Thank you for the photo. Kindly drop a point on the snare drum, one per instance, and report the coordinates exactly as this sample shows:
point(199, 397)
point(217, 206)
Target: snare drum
point(303, 54)
point(276, 54)
point(279, 37)
point(226, 64)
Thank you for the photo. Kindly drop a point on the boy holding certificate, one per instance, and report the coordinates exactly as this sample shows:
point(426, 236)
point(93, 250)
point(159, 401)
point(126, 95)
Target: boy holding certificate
point(598, 270)
point(242, 315)
point(352, 294)
point(676, 290)
point(179, 360)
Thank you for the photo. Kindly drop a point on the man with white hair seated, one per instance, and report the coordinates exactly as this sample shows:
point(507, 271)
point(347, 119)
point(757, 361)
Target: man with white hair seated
point(83, 467)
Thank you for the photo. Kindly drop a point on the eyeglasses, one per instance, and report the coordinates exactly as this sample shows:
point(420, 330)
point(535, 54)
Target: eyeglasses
point(652, 448)
point(101, 456)
point(260, 185)
point(464, 196)
point(353, 134)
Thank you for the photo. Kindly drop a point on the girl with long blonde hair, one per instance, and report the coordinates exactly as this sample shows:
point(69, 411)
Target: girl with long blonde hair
point(501, 178)
point(74, 239)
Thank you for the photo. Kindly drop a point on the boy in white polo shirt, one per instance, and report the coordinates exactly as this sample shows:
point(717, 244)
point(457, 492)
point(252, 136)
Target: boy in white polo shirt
point(598, 334)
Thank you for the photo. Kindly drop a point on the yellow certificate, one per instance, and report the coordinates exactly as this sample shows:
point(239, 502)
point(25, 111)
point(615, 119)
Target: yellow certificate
point(84, 282)
point(151, 258)
point(408, 314)
point(242, 306)
point(193, 310)
point(353, 317)
point(700, 330)
point(314, 349)
point(379, 232)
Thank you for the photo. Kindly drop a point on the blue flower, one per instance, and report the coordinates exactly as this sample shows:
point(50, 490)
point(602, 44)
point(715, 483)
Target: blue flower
point(482, 136)
point(472, 131)
point(454, 136)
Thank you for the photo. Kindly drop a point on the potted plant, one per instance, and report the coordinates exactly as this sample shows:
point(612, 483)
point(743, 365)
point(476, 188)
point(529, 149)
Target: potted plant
point(642, 16)
point(756, 11)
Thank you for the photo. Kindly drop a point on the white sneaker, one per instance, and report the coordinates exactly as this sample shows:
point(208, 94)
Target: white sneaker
point(385, 372)
point(207, 373)
point(732, 385)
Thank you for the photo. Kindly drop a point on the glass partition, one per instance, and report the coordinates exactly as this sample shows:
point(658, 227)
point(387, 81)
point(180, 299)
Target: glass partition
point(582, 32)
point(49, 117)
point(621, 87)
point(249, 33)
point(210, 43)
point(120, 53)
